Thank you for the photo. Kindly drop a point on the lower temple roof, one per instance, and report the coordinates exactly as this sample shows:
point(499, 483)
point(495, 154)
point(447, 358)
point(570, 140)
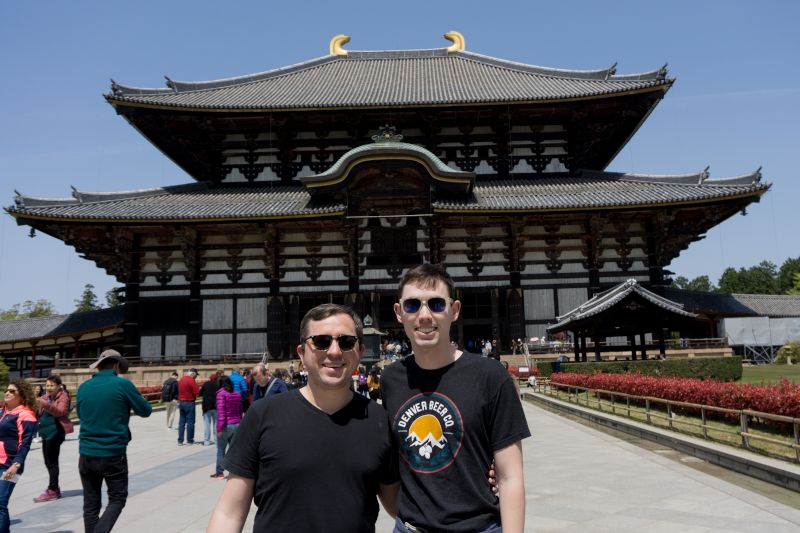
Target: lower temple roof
point(207, 202)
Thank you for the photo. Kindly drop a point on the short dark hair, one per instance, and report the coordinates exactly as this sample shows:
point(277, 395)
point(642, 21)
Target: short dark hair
point(55, 378)
point(321, 312)
point(226, 383)
point(427, 275)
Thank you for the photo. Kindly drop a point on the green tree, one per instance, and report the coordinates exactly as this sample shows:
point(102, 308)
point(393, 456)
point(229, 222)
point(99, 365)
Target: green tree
point(87, 301)
point(700, 283)
point(796, 288)
point(786, 274)
point(112, 298)
point(28, 309)
point(760, 279)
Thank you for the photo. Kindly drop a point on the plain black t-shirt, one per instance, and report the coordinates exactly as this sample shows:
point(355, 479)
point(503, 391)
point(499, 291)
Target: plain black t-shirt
point(447, 424)
point(313, 471)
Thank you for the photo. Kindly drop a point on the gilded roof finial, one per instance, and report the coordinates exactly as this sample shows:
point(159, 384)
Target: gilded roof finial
point(457, 39)
point(336, 45)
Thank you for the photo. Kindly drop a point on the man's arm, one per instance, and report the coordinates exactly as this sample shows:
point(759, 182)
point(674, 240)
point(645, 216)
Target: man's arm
point(139, 405)
point(231, 510)
point(387, 494)
point(511, 484)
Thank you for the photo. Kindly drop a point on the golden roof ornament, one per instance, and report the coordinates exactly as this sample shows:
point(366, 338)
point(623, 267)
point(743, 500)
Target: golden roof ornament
point(336, 45)
point(458, 41)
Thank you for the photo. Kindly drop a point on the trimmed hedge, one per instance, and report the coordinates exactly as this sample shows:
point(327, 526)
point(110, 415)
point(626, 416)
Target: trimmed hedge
point(716, 368)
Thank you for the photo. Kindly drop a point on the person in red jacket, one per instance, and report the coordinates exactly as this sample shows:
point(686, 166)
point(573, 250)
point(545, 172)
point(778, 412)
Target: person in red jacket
point(187, 394)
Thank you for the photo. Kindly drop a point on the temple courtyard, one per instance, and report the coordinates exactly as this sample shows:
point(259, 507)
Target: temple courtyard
point(578, 478)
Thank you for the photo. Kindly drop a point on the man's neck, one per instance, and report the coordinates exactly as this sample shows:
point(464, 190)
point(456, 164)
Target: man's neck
point(435, 357)
point(327, 401)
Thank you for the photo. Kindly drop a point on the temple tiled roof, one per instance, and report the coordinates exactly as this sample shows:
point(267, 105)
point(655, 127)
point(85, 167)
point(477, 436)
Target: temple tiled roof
point(203, 201)
point(59, 325)
point(606, 300)
point(771, 305)
point(731, 305)
point(391, 78)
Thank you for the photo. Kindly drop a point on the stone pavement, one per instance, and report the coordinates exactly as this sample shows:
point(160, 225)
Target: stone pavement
point(577, 478)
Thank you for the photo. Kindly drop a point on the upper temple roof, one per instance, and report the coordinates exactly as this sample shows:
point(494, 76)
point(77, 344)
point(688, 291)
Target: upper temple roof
point(389, 79)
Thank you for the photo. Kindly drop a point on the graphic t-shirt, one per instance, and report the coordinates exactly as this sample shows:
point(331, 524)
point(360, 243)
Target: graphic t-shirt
point(314, 471)
point(447, 423)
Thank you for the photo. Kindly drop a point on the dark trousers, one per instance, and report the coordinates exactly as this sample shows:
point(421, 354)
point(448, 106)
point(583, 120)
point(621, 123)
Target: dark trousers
point(51, 449)
point(186, 416)
point(94, 470)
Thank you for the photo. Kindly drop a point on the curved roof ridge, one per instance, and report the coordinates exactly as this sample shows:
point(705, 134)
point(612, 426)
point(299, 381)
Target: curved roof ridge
point(694, 178)
point(177, 86)
point(174, 86)
point(744, 179)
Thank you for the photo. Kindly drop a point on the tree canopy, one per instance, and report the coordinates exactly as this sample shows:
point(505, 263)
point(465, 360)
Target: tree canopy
point(763, 278)
point(28, 309)
point(87, 301)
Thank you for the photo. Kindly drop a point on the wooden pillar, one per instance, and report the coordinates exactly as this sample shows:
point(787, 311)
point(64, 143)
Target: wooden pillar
point(632, 342)
point(576, 346)
point(33, 360)
point(596, 340)
point(642, 340)
point(495, 296)
point(130, 343)
point(583, 347)
point(662, 350)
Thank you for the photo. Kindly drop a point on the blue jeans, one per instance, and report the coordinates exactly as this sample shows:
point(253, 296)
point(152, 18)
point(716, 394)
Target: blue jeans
point(223, 441)
point(6, 488)
point(93, 471)
point(186, 421)
point(209, 425)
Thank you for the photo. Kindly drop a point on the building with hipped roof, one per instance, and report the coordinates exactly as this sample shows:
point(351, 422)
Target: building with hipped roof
point(325, 180)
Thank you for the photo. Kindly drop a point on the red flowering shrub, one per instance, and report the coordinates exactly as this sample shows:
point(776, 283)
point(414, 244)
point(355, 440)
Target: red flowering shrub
point(151, 393)
point(781, 399)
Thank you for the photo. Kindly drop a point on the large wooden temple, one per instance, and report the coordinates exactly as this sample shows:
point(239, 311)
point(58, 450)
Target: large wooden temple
point(324, 180)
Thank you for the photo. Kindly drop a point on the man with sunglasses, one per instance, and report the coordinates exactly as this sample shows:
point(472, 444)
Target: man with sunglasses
point(322, 444)
point(451, 413)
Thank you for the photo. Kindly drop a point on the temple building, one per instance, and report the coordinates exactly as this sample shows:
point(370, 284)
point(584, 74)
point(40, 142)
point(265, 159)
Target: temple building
point(325, 180)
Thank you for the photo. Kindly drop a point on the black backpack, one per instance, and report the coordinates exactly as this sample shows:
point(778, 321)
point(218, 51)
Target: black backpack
point(168, 390)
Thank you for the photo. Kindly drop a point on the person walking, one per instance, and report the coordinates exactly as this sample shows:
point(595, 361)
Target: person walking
point(229, 416)
point(209, 406)
point(187, 396)
point(17, 425)
point(104, 405)
point(54, 424)
point(169, 396)
point(266, 384)
point(374, 383)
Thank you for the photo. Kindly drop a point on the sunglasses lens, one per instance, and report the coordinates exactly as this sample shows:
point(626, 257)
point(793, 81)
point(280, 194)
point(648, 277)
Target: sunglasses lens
point(347, 342)
point(412, 305)
point(437, 305)
point(321, 342)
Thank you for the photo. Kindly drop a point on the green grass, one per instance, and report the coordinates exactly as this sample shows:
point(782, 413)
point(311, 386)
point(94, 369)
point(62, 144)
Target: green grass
point(766, 374)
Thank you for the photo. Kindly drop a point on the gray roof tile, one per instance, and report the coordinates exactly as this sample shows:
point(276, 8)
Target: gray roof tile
point(390, 78)
point(59, 325)
point(203, 201)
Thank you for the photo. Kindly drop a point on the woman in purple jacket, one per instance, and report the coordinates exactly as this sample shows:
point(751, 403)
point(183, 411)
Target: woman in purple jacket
point(229, 415)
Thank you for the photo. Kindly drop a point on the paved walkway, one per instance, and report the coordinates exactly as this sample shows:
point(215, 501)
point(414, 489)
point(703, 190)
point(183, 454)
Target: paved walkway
point(578, 479)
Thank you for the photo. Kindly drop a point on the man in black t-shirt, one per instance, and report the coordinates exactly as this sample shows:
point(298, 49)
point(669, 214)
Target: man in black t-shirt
point(313, 459)
point(451, 414)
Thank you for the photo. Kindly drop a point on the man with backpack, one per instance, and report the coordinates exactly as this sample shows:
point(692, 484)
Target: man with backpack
point(169, 397)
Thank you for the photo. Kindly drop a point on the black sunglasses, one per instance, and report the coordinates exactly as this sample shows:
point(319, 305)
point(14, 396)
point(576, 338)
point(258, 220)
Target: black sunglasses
point(323, 342)
point(12, 391)
point(435, 305)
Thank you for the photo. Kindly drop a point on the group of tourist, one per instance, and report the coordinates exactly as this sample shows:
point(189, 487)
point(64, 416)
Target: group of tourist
point(451, 416)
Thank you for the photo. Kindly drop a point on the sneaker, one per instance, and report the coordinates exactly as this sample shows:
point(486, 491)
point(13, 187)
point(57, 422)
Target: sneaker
point(180, 444)
point(37, 439)
point(48, 496)
point(217, 476)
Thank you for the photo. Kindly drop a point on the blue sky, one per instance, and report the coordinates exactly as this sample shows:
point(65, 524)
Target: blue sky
point(734, 107)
